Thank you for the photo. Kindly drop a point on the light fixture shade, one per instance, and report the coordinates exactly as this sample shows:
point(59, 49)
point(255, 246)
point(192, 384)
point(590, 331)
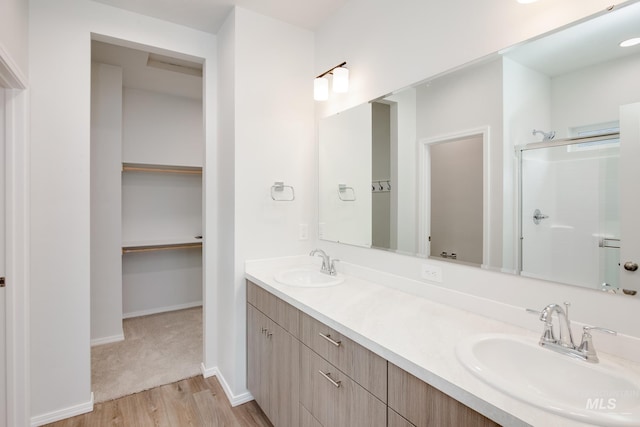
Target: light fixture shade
point(321, 89)
point(340, 79)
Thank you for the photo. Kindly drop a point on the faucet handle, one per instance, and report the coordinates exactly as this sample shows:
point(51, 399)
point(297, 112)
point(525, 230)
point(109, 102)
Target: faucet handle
point(586, 330)
point(586, 346)
point(332, 267)
point(567, 304)
point(548, 335)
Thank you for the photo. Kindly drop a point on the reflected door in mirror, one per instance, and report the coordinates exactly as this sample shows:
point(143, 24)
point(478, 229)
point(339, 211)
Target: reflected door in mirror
point(456, 199)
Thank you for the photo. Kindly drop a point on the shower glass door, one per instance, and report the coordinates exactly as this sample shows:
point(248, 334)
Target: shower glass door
point(569, 211)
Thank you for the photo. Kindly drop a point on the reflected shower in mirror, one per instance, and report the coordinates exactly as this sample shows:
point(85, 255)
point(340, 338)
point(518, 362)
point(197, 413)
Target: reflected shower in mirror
point(570, 211)
point(570, 84)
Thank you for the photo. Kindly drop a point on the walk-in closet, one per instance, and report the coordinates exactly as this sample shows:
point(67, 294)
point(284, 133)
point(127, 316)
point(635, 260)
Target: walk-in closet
point(147, 144)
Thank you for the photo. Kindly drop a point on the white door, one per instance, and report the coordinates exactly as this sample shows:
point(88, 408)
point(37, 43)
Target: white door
point(3, 345)
point(629, 200)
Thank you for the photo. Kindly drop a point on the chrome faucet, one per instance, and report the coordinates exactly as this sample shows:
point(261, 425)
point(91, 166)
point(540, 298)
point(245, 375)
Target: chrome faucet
point(563, 343)
point(565, 338)
point(328, 265)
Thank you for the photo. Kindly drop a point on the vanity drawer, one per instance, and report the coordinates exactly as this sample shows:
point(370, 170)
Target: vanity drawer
point(333, 399)
point(276, 309)
point(365, 367)
point(424, 405)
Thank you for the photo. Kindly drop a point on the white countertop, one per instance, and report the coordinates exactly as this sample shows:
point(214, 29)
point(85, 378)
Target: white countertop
point(414, 333)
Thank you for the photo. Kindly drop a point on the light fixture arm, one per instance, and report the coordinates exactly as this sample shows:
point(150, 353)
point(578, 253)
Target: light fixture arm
point(331, 69)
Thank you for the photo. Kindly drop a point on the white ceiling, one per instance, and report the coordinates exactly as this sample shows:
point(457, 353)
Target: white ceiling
point(137, 74)
point(208, 15)
point(582, 45)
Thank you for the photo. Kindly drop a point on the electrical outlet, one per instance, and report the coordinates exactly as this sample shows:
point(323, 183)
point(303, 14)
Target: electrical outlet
point(431, 272)
point(303, 232)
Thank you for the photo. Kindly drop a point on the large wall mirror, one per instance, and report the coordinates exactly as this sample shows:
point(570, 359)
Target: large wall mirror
point(524, 161)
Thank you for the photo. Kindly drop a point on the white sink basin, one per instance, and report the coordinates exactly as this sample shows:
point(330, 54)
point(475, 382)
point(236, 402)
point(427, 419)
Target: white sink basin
point(307, 278)
point(602, 393)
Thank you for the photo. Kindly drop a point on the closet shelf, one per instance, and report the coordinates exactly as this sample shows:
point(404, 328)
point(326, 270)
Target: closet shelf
point(161, 245)
point(146, 167)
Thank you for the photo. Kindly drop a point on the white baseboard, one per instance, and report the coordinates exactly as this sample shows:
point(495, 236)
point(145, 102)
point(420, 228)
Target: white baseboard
point(234, 399)
point(107, 340)
point(161, 309)
point(61, 414)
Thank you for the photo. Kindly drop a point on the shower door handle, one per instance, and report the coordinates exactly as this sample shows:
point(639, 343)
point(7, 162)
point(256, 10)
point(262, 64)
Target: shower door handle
point(630, 266)
point(538, 216)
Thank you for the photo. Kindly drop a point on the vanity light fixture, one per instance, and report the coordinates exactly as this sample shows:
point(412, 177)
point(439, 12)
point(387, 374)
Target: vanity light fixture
point(321, 89)
point(340, 82)
point(630, 42)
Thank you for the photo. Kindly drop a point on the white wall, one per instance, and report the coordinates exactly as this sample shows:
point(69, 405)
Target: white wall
point(162, 129)
point(153, 282)
point(390, 45)
point(14, 25)
point(106, 203)
point(271, 136)
point(526, 102)
point(60, 59)
point(404, 108)
point(593, 95)
point(225, 184)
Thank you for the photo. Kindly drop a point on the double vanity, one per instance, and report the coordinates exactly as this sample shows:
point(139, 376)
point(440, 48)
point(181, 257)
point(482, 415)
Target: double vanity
point(345, 350)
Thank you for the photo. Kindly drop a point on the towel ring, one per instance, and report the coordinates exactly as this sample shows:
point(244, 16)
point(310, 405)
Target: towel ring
point(342, 188)
point(278, 187)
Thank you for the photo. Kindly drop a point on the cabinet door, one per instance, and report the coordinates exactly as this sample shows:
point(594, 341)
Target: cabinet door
point(285, 377)
point(425, 406)
point(258, 358)
point(273, 368)
point(333, 398)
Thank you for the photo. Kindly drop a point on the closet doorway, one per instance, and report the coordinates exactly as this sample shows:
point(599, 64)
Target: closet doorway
point(147, 146)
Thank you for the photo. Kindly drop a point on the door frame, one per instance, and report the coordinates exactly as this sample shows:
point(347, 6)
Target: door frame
point(424, 192)
point(17, 213)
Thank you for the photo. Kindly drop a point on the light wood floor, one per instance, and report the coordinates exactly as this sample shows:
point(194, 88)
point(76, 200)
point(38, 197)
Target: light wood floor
point(194, 401)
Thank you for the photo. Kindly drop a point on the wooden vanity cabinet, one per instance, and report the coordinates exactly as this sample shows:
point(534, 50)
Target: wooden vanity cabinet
point(304, 374)
point(422, 405)
point(273, 357)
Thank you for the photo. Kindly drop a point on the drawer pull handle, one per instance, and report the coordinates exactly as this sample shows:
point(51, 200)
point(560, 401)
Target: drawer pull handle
point(335, 383)
point(328, 338)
